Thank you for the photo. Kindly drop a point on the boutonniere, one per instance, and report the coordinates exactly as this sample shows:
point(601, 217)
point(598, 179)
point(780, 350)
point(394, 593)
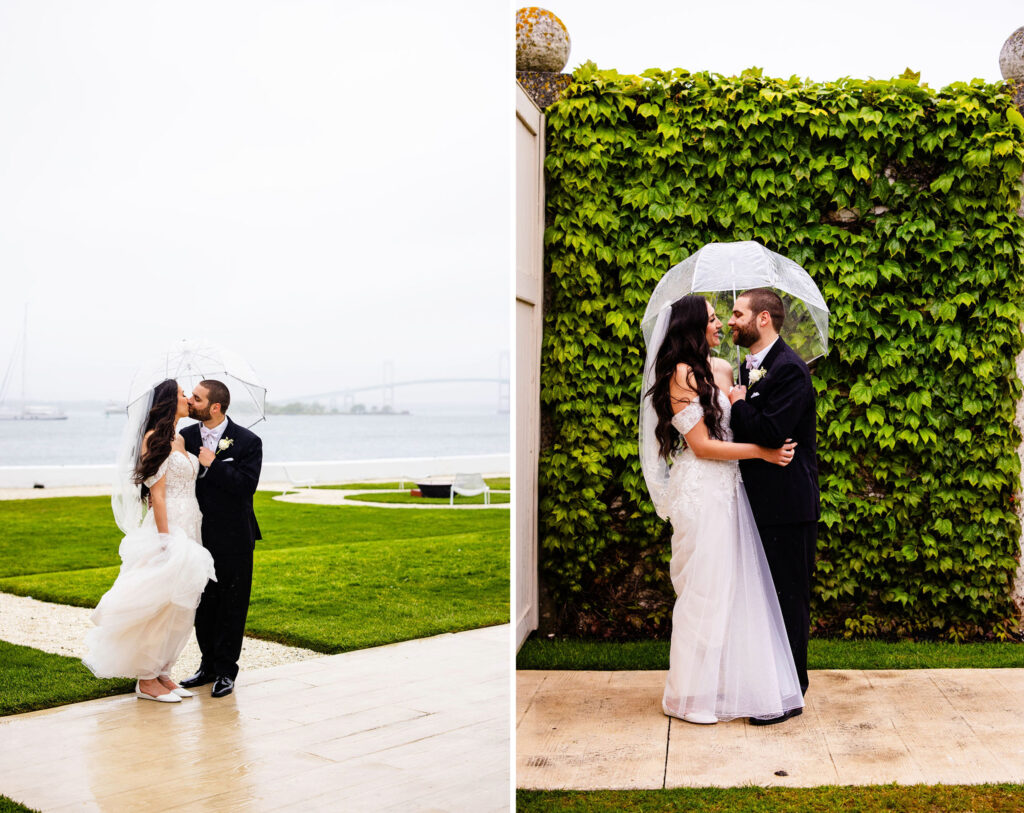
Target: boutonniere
point(225, 443)
point(757, 375)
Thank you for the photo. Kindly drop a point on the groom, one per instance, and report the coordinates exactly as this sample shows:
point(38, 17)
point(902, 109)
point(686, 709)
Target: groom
point(230, 459)
point(775, 402)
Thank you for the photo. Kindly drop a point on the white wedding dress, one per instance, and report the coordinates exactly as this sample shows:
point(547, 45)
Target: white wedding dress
point(144, 620)
point(729, 656)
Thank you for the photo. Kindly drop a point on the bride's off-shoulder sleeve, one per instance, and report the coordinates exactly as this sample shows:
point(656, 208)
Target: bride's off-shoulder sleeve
point(160, 472)
point(688, 417)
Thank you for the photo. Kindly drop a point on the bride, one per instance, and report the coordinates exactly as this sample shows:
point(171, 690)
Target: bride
point(144, 620)
point(729, 654)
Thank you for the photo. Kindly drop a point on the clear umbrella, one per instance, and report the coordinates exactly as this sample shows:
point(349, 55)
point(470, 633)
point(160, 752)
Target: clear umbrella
point(190, 361)
point(721, 271)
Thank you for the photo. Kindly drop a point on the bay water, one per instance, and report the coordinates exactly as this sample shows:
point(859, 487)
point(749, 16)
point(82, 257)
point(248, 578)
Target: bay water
point(90, 437)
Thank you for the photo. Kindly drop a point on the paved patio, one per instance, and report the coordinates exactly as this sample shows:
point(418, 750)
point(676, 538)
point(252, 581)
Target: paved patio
point(416, 726)
point(605, 730)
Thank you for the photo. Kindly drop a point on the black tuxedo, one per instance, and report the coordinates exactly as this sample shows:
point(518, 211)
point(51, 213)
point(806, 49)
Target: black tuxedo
point(784, 499)
point(224, 491)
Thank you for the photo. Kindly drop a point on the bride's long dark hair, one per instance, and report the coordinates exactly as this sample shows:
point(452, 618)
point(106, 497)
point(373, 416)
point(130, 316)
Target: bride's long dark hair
point(685, 342)
point(161, 419)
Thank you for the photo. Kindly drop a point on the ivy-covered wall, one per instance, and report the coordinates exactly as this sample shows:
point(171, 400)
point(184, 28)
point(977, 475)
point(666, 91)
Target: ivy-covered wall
point(901, 202)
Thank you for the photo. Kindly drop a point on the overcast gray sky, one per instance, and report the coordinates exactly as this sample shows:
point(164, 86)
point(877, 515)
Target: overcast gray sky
point(946, 40)
point(323, 186)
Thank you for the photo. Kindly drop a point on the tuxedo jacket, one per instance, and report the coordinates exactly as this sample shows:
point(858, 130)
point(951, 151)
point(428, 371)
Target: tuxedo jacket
point(225, 489)
point(780, 405)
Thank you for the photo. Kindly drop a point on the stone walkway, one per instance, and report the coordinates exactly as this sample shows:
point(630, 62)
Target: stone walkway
point(605, 730)
point(302, 496)
point(338, 496)
point(416, 726)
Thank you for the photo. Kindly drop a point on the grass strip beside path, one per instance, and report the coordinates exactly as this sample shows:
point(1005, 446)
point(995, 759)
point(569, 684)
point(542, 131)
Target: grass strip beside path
point(8, 805)
point(30, 679)
point(822, 654)
point(858, 799)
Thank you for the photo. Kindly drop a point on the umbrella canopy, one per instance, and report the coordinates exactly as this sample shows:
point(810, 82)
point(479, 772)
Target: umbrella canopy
point(190, 361)
point(721, 271)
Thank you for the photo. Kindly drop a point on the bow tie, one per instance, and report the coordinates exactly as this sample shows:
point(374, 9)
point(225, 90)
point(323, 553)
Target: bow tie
point(751, 362)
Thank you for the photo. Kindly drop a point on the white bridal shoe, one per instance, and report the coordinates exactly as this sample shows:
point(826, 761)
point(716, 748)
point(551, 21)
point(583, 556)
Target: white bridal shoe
point(170, 697)
point(179, 691)
point(700, 719)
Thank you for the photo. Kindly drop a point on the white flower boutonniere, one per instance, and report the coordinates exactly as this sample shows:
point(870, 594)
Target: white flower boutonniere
point(755, 376)
point(225, 443)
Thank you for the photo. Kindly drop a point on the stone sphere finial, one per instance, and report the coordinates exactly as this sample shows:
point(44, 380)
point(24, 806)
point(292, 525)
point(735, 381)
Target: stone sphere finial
point(1011, 57)
point(542, 41)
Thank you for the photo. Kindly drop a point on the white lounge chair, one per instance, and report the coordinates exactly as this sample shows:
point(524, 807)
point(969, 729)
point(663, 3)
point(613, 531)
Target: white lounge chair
point(469, 485)
point(297, 485)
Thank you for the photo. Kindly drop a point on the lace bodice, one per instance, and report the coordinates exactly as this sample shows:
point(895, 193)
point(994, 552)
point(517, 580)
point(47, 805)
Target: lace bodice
point(180, 470)
point(694, 482)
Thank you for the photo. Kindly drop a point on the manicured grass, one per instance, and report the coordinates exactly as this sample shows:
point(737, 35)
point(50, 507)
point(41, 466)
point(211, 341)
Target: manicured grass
point(859, 799)
point(821, 654)
point(30, 679)
point(406, 497)
point(10, 806)
point(600, 656)
point(76, 533)
point(331, 579)
point(327, 578)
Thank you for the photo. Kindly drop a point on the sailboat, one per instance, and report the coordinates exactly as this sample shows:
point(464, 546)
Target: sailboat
point(28, 412)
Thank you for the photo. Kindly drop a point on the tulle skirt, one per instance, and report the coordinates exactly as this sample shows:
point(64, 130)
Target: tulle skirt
point(144, 620)
point(729, 656)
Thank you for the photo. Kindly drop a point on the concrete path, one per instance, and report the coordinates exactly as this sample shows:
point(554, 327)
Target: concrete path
point(302, 495)
point(416, 726)
point(598, 730)
point(339, 496)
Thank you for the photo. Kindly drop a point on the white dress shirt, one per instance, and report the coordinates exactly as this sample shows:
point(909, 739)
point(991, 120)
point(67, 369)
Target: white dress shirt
point(753, 360)
point(211, 437)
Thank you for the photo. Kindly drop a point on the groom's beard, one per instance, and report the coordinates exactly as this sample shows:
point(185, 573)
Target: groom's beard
point(199, 414)
point(744, 336)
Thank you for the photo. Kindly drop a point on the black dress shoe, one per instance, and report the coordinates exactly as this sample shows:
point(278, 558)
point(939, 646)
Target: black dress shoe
point(773, 720)
point(222, 686)
point(200, 678)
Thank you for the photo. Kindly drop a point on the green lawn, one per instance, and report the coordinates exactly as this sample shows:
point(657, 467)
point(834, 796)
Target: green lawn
point(328, 578)
point(30, 679)
point(869, 799)
point(821, 654)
